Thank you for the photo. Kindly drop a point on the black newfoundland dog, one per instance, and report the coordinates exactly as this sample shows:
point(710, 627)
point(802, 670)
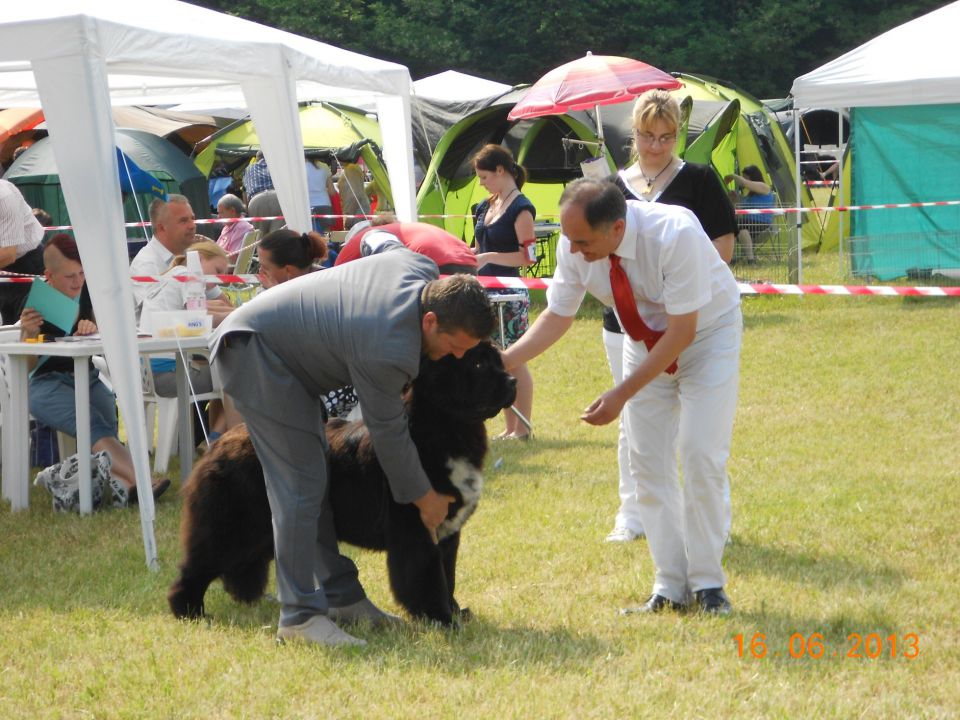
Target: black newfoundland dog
point(226, 529)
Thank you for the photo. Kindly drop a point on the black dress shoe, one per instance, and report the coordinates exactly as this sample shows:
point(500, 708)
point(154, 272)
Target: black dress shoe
point(654, 604)
point(713, 601)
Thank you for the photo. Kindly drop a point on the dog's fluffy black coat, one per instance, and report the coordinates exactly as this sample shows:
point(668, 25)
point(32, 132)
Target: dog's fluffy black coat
point(226, 529)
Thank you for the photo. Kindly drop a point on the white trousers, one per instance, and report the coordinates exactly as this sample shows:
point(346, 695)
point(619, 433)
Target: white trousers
point(691, 411)
point(628, 514)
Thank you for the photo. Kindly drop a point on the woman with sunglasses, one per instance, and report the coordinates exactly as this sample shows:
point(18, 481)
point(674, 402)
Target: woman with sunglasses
point(658, 175)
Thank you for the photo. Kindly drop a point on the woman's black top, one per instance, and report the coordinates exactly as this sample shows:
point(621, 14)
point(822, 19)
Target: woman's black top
point(500, 235)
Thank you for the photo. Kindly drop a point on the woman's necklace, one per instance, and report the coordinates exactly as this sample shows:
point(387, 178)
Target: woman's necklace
point(652, 180)
point(501, 201)
point(496, 209)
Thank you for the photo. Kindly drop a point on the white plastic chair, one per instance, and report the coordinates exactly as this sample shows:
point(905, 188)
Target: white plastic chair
point(66, 445)
point(7, 333)
point(161, 412)
point(166, 410)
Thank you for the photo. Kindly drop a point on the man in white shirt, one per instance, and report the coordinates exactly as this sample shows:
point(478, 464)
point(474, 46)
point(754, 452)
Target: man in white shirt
point(174, 229)
point(20, 251)
point(678, 286)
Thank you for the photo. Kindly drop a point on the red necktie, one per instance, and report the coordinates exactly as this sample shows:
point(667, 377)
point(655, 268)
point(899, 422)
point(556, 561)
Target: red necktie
point(627, 309)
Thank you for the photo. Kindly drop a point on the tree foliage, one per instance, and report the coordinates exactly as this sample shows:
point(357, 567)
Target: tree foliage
point(760, 45)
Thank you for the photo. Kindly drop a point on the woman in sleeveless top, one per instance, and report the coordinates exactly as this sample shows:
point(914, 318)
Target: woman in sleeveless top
point(503, 232)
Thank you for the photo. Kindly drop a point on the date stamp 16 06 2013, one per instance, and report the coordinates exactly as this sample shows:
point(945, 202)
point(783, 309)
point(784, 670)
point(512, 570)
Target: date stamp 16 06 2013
point(857, 646)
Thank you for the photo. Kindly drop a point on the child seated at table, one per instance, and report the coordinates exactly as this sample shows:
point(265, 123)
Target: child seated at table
point(170, 294)
point(51, 388)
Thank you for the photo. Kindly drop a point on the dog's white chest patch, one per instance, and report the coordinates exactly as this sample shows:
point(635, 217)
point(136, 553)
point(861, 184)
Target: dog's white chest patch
point(469, 481)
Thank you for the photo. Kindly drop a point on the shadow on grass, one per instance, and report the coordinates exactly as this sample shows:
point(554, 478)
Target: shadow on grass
point(911, 302)
point(459, 650)
point(755, 320)
point(807, 566)
point(68, 564)
point(539, 451)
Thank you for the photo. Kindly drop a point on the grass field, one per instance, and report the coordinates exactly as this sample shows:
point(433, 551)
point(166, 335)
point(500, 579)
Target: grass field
point(846, 482)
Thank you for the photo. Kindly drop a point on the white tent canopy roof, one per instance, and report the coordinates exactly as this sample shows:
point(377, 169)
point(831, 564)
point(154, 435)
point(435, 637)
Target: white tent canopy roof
point(916, 63)
point(454, 86)
point(74, 58)
point(168, 49)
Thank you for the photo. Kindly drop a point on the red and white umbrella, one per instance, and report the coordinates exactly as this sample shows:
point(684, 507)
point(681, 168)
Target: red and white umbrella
point(589, 82)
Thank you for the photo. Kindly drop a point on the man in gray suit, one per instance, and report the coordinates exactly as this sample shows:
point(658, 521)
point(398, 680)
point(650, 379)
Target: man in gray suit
point(365, 324)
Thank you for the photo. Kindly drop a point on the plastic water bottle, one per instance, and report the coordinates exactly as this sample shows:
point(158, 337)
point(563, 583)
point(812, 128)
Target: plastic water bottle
point(195, 291)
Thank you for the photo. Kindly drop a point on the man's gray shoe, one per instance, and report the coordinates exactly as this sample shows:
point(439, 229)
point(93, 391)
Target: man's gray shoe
point(363, 611)
point(318, 630)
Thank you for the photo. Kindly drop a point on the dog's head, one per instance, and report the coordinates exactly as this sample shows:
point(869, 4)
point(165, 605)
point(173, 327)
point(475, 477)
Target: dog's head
point(474, 387)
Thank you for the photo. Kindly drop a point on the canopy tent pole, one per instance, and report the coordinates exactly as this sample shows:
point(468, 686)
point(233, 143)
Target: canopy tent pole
point(798, 179)
point(841, 151)
point(76, 102)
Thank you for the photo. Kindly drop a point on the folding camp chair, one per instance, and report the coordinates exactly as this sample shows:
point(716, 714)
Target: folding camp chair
point(245, 256)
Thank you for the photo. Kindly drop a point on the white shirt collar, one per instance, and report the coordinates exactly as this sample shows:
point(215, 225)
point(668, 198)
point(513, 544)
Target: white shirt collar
point(627, 248)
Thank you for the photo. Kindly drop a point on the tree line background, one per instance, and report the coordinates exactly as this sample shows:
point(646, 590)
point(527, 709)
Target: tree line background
point(760, 46)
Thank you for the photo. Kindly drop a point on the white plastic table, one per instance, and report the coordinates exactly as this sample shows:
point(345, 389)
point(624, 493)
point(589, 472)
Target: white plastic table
point(16, 414)
point(499, 300)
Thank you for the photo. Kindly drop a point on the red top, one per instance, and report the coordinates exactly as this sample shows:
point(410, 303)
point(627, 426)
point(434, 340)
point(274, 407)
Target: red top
point(430, 240)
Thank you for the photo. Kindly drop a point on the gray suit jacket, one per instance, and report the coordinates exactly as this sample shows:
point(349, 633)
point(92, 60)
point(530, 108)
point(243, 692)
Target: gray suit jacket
point(356, 324)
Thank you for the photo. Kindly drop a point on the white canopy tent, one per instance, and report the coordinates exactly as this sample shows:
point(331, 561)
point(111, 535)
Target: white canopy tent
point(916, 63)
point(899, 79)
point(74, 57)
point(454, 86)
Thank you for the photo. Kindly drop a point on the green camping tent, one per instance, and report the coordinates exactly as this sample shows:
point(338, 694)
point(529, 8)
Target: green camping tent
point(35, 173)
point(727, 128)
point(334, 133)
point(549, 148)
point(742, 131)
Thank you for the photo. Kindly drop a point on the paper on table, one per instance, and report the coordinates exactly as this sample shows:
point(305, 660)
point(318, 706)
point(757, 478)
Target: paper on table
point(55, 307)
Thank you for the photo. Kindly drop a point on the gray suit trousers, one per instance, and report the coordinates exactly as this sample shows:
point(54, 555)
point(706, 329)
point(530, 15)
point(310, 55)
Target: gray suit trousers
point(312, 575)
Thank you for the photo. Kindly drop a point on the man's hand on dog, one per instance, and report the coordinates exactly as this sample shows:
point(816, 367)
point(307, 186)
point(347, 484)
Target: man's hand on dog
point(433, 509)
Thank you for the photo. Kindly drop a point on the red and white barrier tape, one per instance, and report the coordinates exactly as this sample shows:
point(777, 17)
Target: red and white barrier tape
point(843, 208)
point(884, 290)
point(794, 211)
point(225, 221)
point(454, 216)
point(512, 283)
point(219, 279)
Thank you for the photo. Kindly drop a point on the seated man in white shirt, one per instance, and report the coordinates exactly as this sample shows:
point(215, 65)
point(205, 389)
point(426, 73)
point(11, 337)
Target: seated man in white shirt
point(174, 229)
point(20, 250)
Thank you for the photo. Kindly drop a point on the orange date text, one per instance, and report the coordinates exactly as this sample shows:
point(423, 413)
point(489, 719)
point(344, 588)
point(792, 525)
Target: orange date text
point(857, 646)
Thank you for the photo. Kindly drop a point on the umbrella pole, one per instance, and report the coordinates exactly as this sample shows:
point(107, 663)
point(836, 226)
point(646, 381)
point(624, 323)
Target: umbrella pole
point(600, 129)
